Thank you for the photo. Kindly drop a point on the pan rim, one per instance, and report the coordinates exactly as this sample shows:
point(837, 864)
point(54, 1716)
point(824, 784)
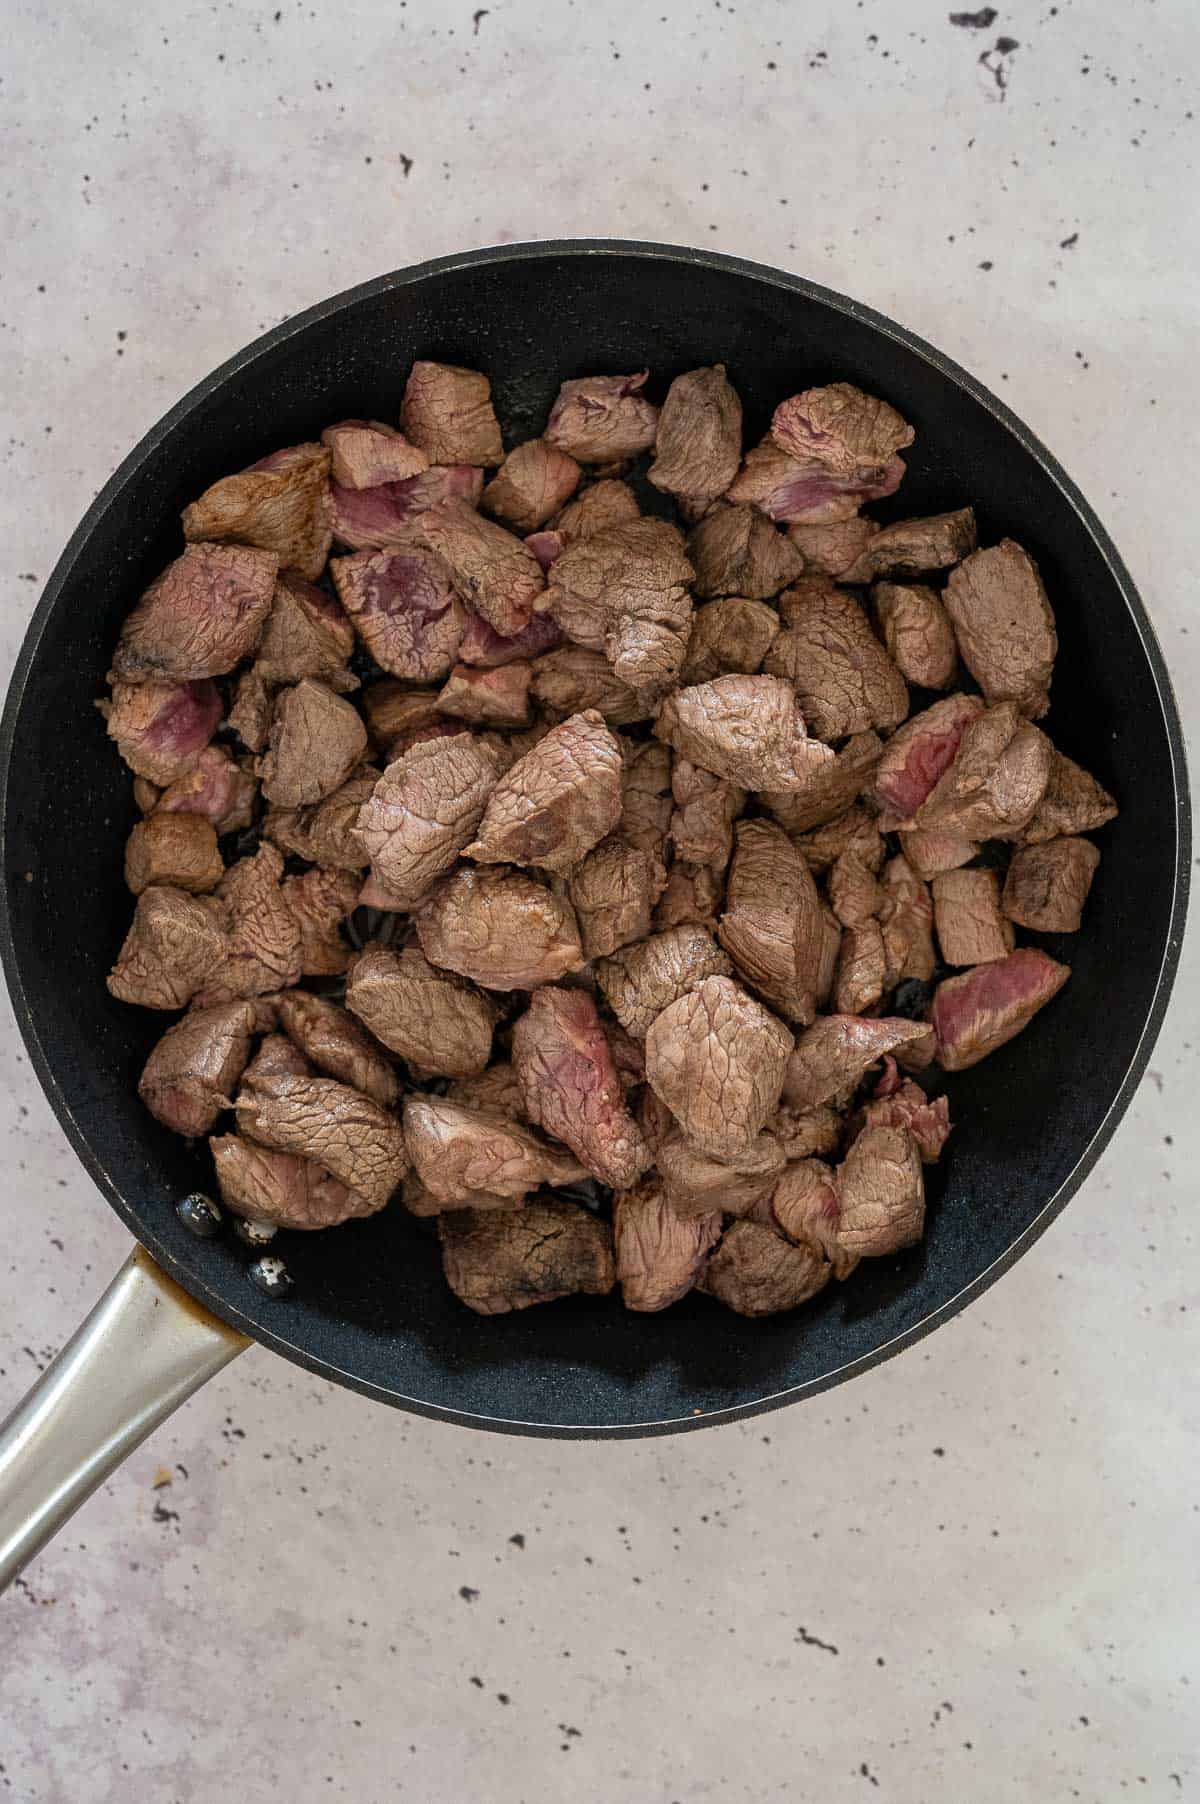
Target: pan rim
point(268, 344)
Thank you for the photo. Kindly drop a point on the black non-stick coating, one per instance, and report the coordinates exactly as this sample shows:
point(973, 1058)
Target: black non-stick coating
point(369, 1307)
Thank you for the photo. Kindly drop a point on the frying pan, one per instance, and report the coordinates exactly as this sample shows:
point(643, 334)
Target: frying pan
point(369, 1308)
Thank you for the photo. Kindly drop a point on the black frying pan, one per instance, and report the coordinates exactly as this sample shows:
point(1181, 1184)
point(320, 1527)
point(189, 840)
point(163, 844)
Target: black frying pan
point(370, 1309)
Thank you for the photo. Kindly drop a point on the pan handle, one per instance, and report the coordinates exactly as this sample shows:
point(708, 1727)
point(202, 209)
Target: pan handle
point(142, 1351)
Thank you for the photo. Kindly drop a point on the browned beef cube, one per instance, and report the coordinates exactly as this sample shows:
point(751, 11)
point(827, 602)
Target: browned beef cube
point(1048, 883)
point(613, 891)
point(745, 728)
point(404, 606)
point(917, 633)
point(572, 679)
point(496, 1089)
point(513, 1259)
point(996, 781)
point(216, 787)
point(803, 1132)
point(737, 551)
point(906, 1105)
point(698, 446)
point(729, 635)
point(533, 482)
point(570, 1086)
point(804, 492)
point(983, 1008)
point(316, 740)
point(602, 504)
point(755, 1271)
point(862, 968)
point(200, 618)
point(882, 1193)
point(366, 453)
point(830, 547)
point(161, 729)
point(854, 831)
point(831, 787)
point(695, 1183)
point(456, 1152)
point(332, 1040)
point(555, 803)
point(424, 810)
point(191, 1074)
point(846, 431)
point(692, 896)
point(325, 832)
point(1005, 626)
point(318, 901)
point(831, 1056)
point(387, 514)
point(911, 547)
point(448, 412)
point(432, 1018)
point(485, 649)
point(646, 799)
point(706, 807)
point(281, 1188)
point(306, 635)
point(772, 927)
point(276, 1056)
point(843, 678)
point(494, 572)
point(625, 591)
point(170, 950)
point(906, 918)
point(1073, 803)
point(497, 697)
point(356, 1140)
point(602, 419)
point(280, 505)
point(807, 1210)
point(855, 895)
point(263, 950)
point(659, 1254)
point(640, 981)
point(250, 712)
point(929, 850)
point(966, 911)
point(716, 1057)
point(175, 849)
point(500, 928)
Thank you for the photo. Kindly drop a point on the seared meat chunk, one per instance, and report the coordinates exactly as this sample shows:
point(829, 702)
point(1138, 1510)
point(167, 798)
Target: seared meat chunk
point(843, 678)
point(372, 519)
point(532, 483)
point(855, 895)
point(930, 851)
point(496, 1089)
point(602, 419)
point(806, 1209)
point(190, 1076)
point(457, 1152)
point(917, 633)
point(706, 807)
point(699, 442)
point(404, 607)
point(448, 412)
point(613, 891)
point(250, 712)
point(830, 548)
point(831, 1056)
point(175, 849)
point(755, 1271)
point(276, 1055)
point(640, 981)
point(556, 802)
point(280, 505)
point(717, 1059)
point(602, 504)
point(493, 571)
point(499, 928)
point(332, 1040)
point(853, 831)
point(200, 618)
point(692, 894)
point(983, 1008)
point(801, 1133)
point(356, 1140)
point(906, 1105)
point(920, 752)
point(802, 491)
point(660, 1255)
point(511, 1260)
point(906, 918)
point(217, 788)
point(729, 635)
point(318, 901)
point(485, 649)
point(910, 547)
point(1073, 802)
point(424, 809)
point(435, 1020)
point(1005, 626)
point(1048, 883)
point(646, 795)
point(772, 926)
point(736, 551)
point(394, 713)
point(997, 779)
point(831, 788)
point(882, 1193)
point(162, 729)
point(281, 1188)
point(861, 973)
point(365, 453)
point(497, 697)
point(966, 911)
point(316, 740)
point(624, 591)
point(325, 833)
point(570, 1086)
point(745, 728)
point(170, 950)
point(695, 1183)
point(306, 635)
point(263, 950)
point(842, 429)
point(572, 679)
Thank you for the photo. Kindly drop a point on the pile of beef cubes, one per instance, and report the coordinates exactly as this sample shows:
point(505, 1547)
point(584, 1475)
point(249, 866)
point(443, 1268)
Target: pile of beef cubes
point(577, 876)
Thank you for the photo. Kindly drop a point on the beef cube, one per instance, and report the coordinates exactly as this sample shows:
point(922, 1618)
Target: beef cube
point(745, 728)
point(263, 951)
point(861, 971)
point(841, 428)
point(1005, 626)
point(387, 514)
point(217, 788)
point(624, 591)
point(547, 547)
point(318, 901)
point(830, 548)
point(1073, 803)
point(640, 981)
point(997, 779)
point(646, 798)
point(825, 951)
point(250, 713)
point(772, 928)
point(191, 1073)
point(927, 1119)
point(496, 1089)
point(572, 679)
point(755, 1271)
point(512, 1260)
point(281, 1188)
point(276, 1056)
point(332, 1041)
point(831, 1056)
point(493, 571)
point(736, 551)
point(448, 412)
point(659, 1254)
point(966, 911)
point(497, 697)
point(173, 944)
point(355, 1139)
point(613, 891)
point(984, 1008)
point(533, 482)
point(280, 505)
point(603, 419)
point(161, 729)
point(484, 649)
point(730, 635)
point(424, 810)
point(854, 832)
point(694, 1183)
point(831, 788)
point(906, 918)
point(456, 1152)
point(882, 1193)
point(499, 928)
point(325, 832)
point(692, 896)
point(911, 547)
point(316, 740)
point(203, 615)
point(920, 753)
point(394, 713)
point(929, 851)
point(1047, 884)
point(175, 849)
point(701, 828)
point(404, 606)
point(801, 1133)
point(557, 802)
point(306, 635)
point(917, 633)
point(601, 505)
point(854, 893)
point(844, 680)
point(717, 1059)
point(802, 491)
point(698, 446)
point(432, 1018)
point(806, 1209)
point(569, 1083)
point(365, 453)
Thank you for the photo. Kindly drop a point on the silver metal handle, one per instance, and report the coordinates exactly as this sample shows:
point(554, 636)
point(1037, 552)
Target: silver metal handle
point(142, 1351)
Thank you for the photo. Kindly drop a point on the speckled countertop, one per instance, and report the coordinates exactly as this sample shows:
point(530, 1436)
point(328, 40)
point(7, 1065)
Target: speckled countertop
point(970, 1575)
